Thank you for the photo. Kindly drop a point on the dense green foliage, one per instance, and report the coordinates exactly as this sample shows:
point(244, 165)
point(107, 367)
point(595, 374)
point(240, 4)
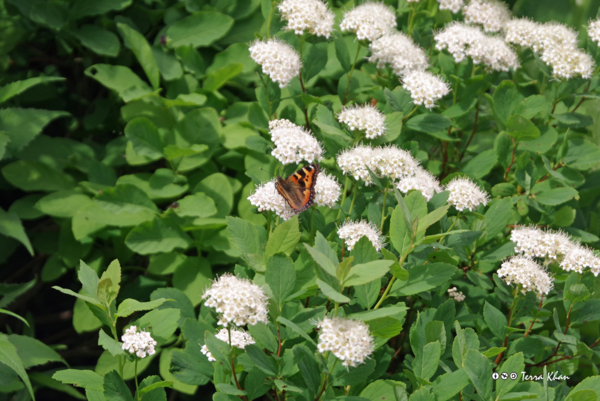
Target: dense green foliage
point(132, 133)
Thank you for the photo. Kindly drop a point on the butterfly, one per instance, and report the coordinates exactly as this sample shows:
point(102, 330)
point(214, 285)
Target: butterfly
point(299, 188)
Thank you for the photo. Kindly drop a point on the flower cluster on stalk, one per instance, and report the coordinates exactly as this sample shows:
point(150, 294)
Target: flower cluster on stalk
point(293, 144)
point(139, 343)
point(458, 296)
point(527, 275)
point(422, 181)
point(555, 246)
point(369, 21)
point(239, 339)
point(453, 5)
point(491, 14)
point(363, 118)
point(556, 43)
point(425, 88)
point(400, 52)
point(352, 231)
point(349, 340)
point(280, 61)
point(594, 30)
point(465, 194)
point(307, 15)
point(236, 300)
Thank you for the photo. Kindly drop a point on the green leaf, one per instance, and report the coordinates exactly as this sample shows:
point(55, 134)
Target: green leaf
point(520, 396)
point(309, 369)
point(144, 137)
point(342, 53)
point(51, 15)
point(428, 123)
point(400, 233)
point(158, 235)
point(7, 312)
point(497, 217)
point(129, 306)
point(482, 164)
point(424, 278)
point(281, 277)
point(581, 155)
point(506, 100)
point(190, 366)
point(448, 385)
point(199, 29)
point(162, 323)
point(63, 203)
point(381, 390)
point(397, 312)
point(98, 40)
point(479, 370)
point(9, 356)
point(531, 106)
point(110, 344)
point(117, 78)
point(196, 205)
point(297, 329)
point(398, 99)
point(86, 298)
point(521, 128)
point(125, 198)
point(284, 238)
point(331, 293)
point(542, 144)
point(426, 362)
point(460, 109)
point(82, 378)
point(495, 320)
point(17, 87)
point(367, 272)
point(556, 196)
point(22, 125)
point(244, 236)
point(432, 218)
point(515, 363)
point(314, 60)
point(85, 8)
point(322, 260)
point(215, 80)
point(261, 360)
point(573, 120)
point(33, 352)
point(255, 384)
point(11, 226)
point(30, 175)
point(145, 389)
point(115, 388)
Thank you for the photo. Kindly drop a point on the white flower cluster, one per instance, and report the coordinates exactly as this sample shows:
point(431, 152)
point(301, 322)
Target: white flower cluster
point(491, 14)
point(425, 88)
point(400, 52)
point(293, 144)
point(363, 118)
point(266, 198)
point(239, 339)
point(279, 60)
point(138, 343)
point(463, 41)
point(452, 5)
point(465, 194)
point(327, 190)
point(349, 340)
point(557, 44)
point(369, 21)
point(526, 273)
point(594, 30)
point(236, 300)
point(554, 246)
point(458, 296)
point(307, 15)
point(423, 181)
point(352, 231)
point(390, 161)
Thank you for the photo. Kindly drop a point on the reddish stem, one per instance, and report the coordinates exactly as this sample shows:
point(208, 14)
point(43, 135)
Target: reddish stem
point(583, 98)
point(472, 134)
point(512, 160)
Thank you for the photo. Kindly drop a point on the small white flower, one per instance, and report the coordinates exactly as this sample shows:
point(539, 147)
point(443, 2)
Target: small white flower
point(349, 340)
point(279, 60)
point(307, 15)
point(400, 52)
point(392, 162)
point(425, 88)
point(491, 14)
point(354, 162)
point(236, 300)
point(239, 339)
point(352, 231)
point(553, 34)
point(527, 274)
point(327, 190)
point(369, 21)
point(456, 39)
point(465, 194)
point(578, 258)
point(521, 31)
point(422, 181)
point(266, 198)
point(363, 118)
point(568, 62)
point(139, 343)
point(458, 296)
point(293, 144)
point(452, 5)
point(594, 30)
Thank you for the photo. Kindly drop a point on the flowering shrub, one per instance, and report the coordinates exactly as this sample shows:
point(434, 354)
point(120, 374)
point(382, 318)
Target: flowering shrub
point(299, 200)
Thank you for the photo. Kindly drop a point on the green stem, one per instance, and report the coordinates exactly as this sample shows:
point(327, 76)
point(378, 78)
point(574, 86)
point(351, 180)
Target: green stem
point(353, 199)
point(411, 18)
point(451, 227)
point(270, 18)
point(383, 208)
point(385, 293)
point(350, 73)
point(325, 381)
point(113, 329)
point(336, 307)
point(410, 114)
point(136, 379)
point(343, 196)
point(543, 84)
point(312, 216)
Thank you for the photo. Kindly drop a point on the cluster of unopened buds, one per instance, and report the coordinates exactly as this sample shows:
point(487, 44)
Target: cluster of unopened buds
point(458, 296)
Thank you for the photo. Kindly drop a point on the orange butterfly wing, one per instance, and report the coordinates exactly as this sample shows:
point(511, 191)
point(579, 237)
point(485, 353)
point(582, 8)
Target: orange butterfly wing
point(299, 188)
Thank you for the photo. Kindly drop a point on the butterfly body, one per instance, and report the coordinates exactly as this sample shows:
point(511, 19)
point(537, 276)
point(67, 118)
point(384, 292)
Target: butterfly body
point(299, 188)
